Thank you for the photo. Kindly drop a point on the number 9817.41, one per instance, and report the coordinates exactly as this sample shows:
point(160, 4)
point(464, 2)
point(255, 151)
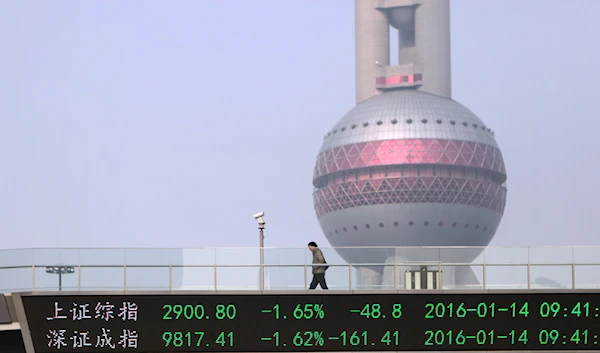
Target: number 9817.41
point(195, 339)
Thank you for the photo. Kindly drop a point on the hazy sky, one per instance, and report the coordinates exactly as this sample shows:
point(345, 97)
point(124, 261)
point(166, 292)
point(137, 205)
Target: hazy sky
point(169, 123)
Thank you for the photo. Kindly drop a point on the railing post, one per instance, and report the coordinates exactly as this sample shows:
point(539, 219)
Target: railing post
point(33, 270)
point(395, 274)
point(33, 278)
point(305, 276)
point(573, 268)
point(171, 277)
point(484, 270)
point(528, 267)
point(484, 276)
point(215, 279)
point(124, 278)
point(79, 277)
point(349, 276)
point(215, 268)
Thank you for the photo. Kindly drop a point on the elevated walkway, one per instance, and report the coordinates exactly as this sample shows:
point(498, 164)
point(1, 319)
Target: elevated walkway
point(460, 268)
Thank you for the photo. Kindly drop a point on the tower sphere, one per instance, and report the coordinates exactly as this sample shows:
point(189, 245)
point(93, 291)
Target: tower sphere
point(409, 168)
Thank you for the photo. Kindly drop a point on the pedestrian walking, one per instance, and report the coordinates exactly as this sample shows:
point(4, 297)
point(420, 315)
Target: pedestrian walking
point(319, 267)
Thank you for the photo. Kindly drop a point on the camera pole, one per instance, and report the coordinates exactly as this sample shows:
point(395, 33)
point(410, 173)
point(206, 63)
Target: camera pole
point(261, 229)
point(261, 240)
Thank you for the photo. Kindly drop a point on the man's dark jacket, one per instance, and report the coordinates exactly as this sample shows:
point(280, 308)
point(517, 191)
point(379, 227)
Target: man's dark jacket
point(318, 258)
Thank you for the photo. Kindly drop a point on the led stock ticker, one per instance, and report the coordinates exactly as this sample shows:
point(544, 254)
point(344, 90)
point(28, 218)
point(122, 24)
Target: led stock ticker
point(316, 321)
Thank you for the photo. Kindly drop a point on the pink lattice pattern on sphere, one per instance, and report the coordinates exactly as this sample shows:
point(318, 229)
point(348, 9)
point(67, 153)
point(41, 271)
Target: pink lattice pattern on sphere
point(409, 151)
point(445, 190)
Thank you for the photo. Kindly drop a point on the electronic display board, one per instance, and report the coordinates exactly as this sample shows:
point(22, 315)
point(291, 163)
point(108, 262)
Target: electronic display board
point(314, 322)
point(11, 341)
point(4, 313)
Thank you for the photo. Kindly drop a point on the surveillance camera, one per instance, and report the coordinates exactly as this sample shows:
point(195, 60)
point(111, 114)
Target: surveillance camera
point(259, 215)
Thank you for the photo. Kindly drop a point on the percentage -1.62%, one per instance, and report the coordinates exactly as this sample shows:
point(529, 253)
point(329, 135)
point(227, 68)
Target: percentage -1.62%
point(301, 311)
point(300, 339)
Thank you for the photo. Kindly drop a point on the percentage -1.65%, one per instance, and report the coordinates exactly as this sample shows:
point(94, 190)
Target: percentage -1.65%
point(301, 311)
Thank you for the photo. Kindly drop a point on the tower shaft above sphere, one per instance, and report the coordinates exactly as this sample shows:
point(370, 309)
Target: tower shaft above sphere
point(423, 46)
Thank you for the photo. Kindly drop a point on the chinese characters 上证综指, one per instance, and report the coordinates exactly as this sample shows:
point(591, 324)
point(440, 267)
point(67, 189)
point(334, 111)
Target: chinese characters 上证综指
point(103, 311)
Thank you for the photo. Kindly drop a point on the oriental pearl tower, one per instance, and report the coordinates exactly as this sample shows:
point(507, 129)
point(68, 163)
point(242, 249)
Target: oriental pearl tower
point(408, 166)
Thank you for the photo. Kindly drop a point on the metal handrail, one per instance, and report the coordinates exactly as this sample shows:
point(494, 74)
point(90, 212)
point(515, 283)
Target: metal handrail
point(390, 264)
point(570, 259)
point(397, 269)
point(324, 247)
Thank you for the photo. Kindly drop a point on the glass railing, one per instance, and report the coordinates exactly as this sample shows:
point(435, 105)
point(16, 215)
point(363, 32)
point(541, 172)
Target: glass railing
point(290, 268)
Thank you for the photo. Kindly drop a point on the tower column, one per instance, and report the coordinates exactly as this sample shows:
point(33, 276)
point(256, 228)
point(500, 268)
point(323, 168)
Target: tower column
point(372, 47)
point(432, 42)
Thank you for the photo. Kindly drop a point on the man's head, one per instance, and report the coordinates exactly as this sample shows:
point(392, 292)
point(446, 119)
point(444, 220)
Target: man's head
point(312, 246)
